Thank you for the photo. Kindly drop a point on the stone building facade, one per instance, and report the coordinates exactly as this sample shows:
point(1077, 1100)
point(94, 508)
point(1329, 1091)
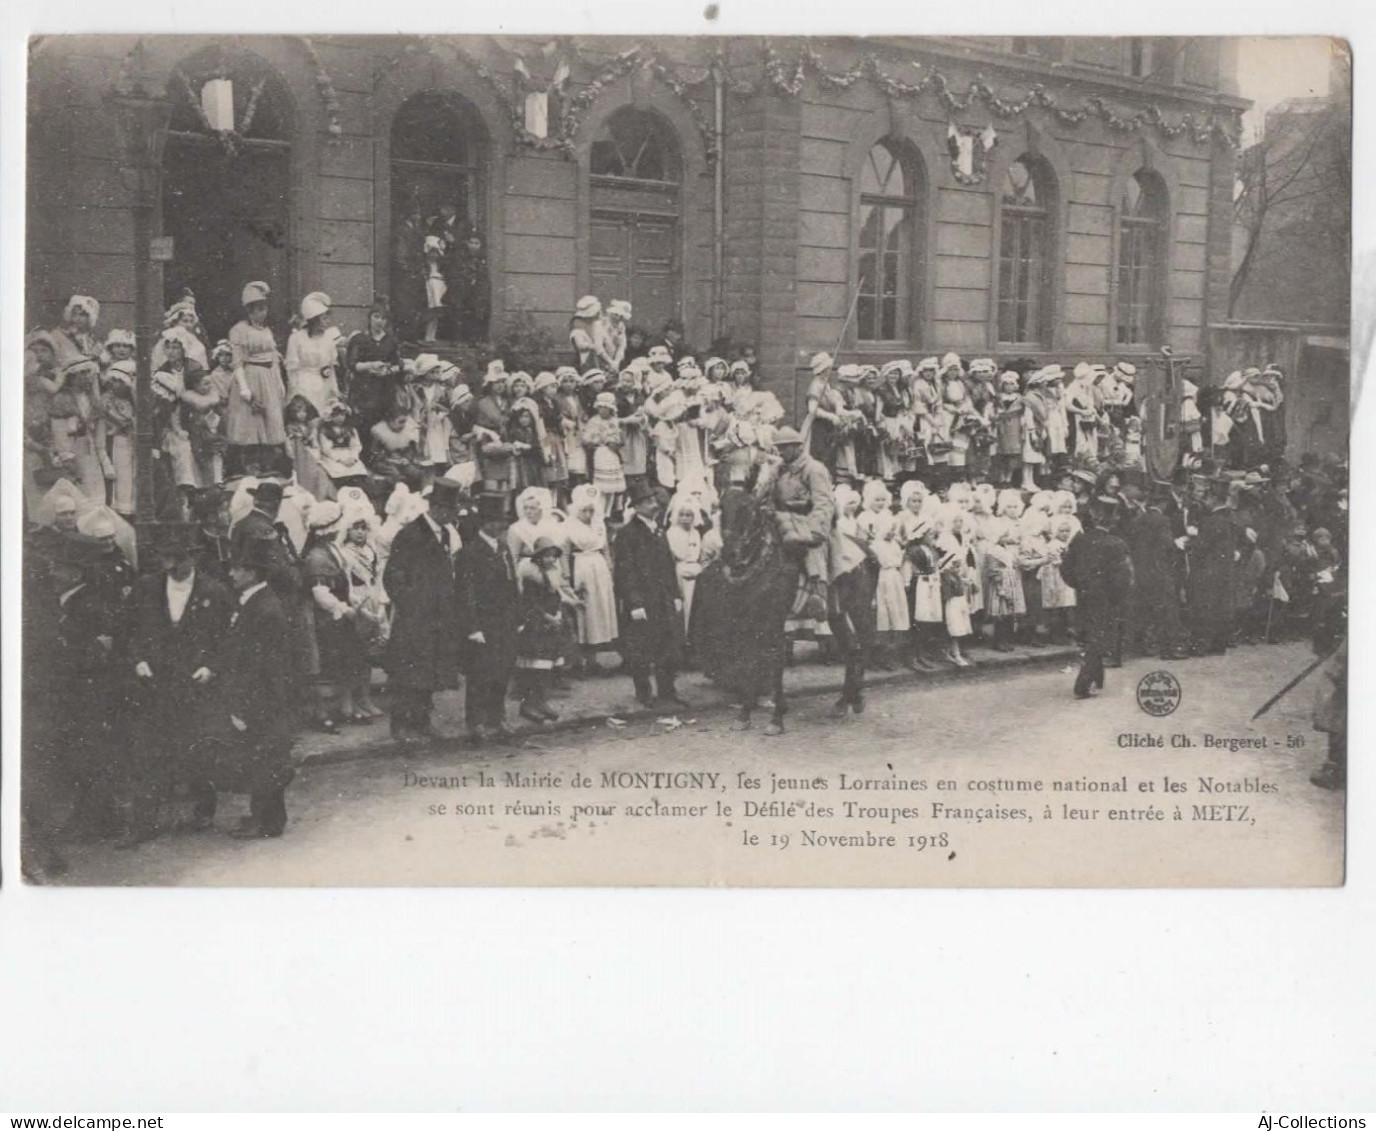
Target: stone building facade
point(1062, 199)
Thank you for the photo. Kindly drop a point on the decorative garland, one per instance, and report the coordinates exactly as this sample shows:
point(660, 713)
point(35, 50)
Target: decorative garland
point(786, 78)
point(573, 107)
point(790, 80)
point(325, 85)
point(232, 141)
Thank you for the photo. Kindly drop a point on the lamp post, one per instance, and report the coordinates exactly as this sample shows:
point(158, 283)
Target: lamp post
point(141, 114)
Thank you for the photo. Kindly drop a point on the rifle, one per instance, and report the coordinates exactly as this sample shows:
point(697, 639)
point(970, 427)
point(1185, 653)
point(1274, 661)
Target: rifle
point(1284, 691)
point(805, 428)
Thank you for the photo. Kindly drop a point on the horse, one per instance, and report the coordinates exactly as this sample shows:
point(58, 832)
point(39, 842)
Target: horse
point(740, 606)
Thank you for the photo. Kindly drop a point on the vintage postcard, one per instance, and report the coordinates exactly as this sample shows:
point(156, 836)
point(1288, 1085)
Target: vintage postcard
point(698, 461)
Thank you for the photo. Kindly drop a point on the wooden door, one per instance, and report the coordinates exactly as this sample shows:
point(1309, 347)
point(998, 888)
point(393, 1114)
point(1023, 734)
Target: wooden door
point(634, 256)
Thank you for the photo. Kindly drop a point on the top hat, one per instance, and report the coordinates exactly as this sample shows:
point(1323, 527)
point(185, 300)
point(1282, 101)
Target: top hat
point(446, 493)
point(639, 491)
point(492, 508)
point(267, 492)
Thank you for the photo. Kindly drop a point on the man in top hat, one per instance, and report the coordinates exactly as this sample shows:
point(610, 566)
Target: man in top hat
point(262, 524)
point(1210, 552)
point(649, 607)
point(1154, 624)
point(257, 697)
point(488, 617)
point(180, 620)
point(1098, 567)
point(423, 649)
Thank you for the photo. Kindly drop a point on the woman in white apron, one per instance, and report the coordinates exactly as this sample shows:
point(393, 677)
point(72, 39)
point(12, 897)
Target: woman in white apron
point(586, 534)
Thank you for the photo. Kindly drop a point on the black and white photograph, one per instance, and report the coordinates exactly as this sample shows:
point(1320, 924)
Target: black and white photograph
point(685, 461)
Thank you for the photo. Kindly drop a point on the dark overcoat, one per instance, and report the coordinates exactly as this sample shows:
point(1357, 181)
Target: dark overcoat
point(1211, 572)
point(487, 602)
point(645, 578)
point(1154, 557)
point(257, 688)
point(423, 650)
point(284, 575)
point(173, 711)
point(1097, 566)
point(90, 688)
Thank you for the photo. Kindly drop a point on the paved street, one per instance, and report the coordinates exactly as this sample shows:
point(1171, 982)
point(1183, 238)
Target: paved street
point(370, 821)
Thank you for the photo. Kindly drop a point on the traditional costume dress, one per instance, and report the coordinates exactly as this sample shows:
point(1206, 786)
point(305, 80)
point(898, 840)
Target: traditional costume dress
point(115, 428)
point(204, 424)
point(602, 436)
point(1056, 594)
point(635, 438)
point(367, 597)
point(395, 451)
point(343, 654)
point(556, 472)
point(1003, 592)
point(957, 582)
point(693, 552)
point(571, 419)
point(880, 530)
point(591, 572)
point(340, 450)
point(1082, 408)
point(305, 450)
point(584, 332)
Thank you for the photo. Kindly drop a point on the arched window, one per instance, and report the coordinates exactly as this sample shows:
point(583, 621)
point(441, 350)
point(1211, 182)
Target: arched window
point(635, 173)
point(228, 156)
point(886, 270)
point(1026, 252)
point(438, 157)
point(1142, 223)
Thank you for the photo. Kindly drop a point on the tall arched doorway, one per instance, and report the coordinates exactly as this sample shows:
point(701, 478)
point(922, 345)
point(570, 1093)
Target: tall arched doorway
point(438, 158)
point(635, 181)
point(227, 185)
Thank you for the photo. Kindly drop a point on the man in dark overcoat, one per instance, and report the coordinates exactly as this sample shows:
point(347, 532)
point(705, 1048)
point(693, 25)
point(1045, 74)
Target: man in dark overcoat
point(1211, 558)
point(1155, 620)
point(90, 687)
point(284, 572)
point(649, 608)
point(423, 649)
point(1097, 566)
point(488, 616)
point(180, 619)
point(257, 696)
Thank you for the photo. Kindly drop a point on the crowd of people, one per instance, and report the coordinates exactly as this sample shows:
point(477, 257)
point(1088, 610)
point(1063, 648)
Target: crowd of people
point(337, 508)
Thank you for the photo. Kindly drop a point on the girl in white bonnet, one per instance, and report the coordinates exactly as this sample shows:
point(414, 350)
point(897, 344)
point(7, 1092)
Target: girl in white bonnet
point(879, 529)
